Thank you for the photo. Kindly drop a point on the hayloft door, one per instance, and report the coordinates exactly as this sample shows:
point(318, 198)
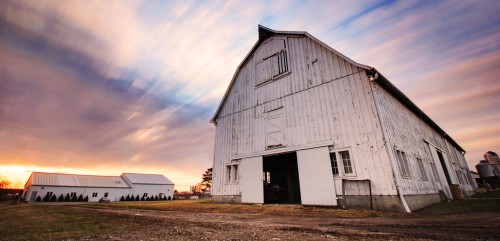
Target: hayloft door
point(33, 196)
point(251, 183)
point(316, 177)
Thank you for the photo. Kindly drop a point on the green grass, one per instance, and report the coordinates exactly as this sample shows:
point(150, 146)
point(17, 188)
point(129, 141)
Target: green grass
point(482, 202)
point(45, 222)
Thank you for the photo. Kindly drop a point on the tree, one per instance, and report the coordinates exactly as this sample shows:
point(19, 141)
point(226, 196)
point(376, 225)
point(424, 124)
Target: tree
point(67, 198)
point(122, 199)
point(53, 198)
point(74, 198)
point(61, 198)
point(206, 180)
point(86, 199)
point(80, 198)
point(127, 198)
point(137, 198)
point(38, 199)
point(46, 198)
point(4, 183)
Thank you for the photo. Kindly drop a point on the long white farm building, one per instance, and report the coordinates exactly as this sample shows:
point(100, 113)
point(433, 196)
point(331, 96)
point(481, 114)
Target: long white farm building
point(97, 188)
point(302, 123)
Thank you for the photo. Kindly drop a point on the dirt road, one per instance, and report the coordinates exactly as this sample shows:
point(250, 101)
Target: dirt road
point(185, 225)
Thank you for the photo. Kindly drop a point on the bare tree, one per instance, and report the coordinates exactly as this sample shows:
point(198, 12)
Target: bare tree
point(4, 183)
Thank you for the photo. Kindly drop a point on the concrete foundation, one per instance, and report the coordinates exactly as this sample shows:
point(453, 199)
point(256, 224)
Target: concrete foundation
point(381, 203)
point(227, 199)
point(391, 203)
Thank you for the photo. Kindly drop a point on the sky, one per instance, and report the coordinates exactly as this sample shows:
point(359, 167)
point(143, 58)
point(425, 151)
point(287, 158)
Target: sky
point(105, 87)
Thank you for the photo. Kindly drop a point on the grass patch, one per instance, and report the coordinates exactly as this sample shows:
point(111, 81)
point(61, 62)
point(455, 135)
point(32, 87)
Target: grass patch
point(482, 202)
point(207, 206)
point(33, 222)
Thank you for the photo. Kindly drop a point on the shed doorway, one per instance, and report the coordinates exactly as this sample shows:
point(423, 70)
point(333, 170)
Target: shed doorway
point(281, 179)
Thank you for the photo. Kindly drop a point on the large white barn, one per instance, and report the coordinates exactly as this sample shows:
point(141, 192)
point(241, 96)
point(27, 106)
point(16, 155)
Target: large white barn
point(97, 188)
point(302, 123)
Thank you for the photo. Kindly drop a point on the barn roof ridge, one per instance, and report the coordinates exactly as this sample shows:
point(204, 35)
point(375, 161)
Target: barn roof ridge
point(265, 33)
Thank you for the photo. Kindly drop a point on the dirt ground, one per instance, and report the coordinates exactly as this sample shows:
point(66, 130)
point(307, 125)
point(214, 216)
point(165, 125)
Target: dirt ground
point(195, 225)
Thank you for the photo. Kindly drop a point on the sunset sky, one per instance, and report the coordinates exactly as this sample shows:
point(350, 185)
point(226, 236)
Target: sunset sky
point(105, 87)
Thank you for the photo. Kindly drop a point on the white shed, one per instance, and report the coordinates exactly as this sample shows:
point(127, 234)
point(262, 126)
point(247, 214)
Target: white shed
point(302, 123)
point(96, 188)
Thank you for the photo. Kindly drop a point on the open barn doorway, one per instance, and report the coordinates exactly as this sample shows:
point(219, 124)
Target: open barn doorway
point(281, 179)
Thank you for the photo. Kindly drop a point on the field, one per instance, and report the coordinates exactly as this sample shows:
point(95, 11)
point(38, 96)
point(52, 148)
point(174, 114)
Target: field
point(470, 219)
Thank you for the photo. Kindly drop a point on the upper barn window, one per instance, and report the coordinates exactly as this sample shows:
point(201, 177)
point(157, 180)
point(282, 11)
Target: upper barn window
point(271, 60)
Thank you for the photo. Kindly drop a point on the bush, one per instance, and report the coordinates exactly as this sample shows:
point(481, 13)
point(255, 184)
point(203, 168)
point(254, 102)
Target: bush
point(169, 198)
point(143, 199)
point(38, 199)
point(86, 199)
point(46, 198)
point(137, 198)
point(74, 198)
point(53, 198)
point(80, 198)
point(122, 199)
point(127, 198)
point(148, 199)
point(156, 198)
point(67, 198)
point(61, 198)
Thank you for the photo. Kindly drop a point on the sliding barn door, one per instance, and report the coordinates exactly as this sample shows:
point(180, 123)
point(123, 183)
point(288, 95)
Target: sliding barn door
point(316, 177)
point(252, 187)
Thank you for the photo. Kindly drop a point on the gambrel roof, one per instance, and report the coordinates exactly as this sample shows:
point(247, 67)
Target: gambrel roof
point(265, 33)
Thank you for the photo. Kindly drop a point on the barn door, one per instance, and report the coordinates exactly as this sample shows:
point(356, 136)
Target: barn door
point(440, 171)
point(33, 196)
point(316, 177)
point(252, 190)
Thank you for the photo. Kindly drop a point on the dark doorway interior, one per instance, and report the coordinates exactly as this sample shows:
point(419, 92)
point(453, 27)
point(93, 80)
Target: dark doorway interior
point(445, 169)
point(281, 179)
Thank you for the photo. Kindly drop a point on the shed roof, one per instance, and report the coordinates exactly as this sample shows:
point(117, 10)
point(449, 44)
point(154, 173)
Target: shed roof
point(265, 33)
point(74, 180)
point(137, 178)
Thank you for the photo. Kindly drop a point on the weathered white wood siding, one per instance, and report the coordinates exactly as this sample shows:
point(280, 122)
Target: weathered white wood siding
point(316, 178)
point(409, 133)
point(251, 180)
point(324, 101)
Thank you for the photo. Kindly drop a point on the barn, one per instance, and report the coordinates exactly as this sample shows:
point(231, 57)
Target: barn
point(97, 188)
point(300, 123)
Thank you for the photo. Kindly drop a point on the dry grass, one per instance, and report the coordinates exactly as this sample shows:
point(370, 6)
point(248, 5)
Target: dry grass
point(207, 206)
point(48, 222)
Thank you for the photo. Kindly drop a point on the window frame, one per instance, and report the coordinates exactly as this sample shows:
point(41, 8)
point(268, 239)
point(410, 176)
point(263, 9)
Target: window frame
point(232, 172)
point(340, 162)
point(404, 165)
point(420, 164)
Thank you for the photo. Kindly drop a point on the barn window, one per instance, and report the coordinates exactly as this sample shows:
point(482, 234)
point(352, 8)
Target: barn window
point(346, 161)
point(403, 163)
point(333, 161)
point(106, 194)
point(434, 171)
point(232, 173)
point(94, 194)
point(72, 194)
point(422, 169)
point(341, 163)
point(49, 194)
point(271, 61)
point(145, 194)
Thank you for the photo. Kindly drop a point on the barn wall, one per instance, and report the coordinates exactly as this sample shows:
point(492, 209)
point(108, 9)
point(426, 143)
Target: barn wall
point(324, 101)
point(152, 190)
point(406, 131)
point(114, 193)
